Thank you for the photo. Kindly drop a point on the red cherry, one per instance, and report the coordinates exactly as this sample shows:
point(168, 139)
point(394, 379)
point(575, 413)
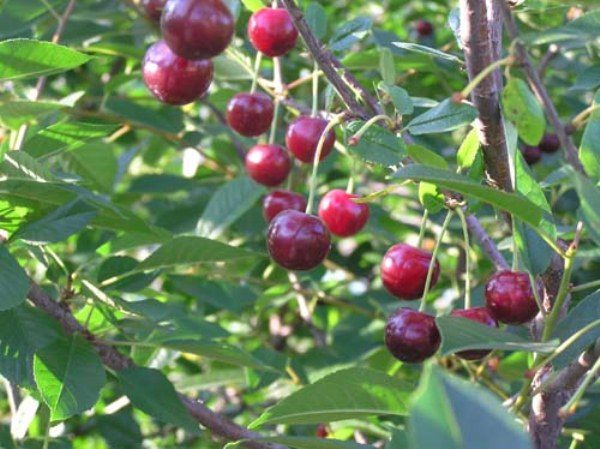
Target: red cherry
point(153, 8)
point(343, 216)
point(172, 79)
point(532, 155)
point(424, 28)
point(280, 200)
point(480, 315)
point(272, 31)
point(250, 114)
point(322, 431)
point(268, 165)
point(549, 143)
point(510, 298)
point(303, 136)
point(197, 29)
point(404, 271)
point(298, 241)
point(411, 336)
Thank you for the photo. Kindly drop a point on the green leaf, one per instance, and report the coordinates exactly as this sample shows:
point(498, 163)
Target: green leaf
point(348, 33)
point(512, 202)
point(253, 5)
point(522, 108)
point(589, 151)
point(307, 443)
point(150, 113)
point(459, 334)
point(431, 198)
point(227, 68)
point(26, 58)
point(386, 66)
point(450, 413)
point(446, 116)
point(18, 164)
point(468, 150)
point(587, 80)
point(345, 394)
point(316, 17)
point(377, 145)
point(424, 50)
point(400, 98)
point(69, 375)
point(14, 282)
point(426, 157)
point(13, 114)
point(151, 392)
point(227, 205)
point(589, 197)
point(188, 250)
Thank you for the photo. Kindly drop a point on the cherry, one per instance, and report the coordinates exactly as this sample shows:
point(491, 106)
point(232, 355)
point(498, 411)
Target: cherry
point(197, 29)
point(322, 431)
point(404, 271)
point(549, 143)
point(298, 241)
point(153, 8)
point(272, 31)
point(343, 216)
point(268, 165)
point(531, 154)
point(424, 28)
point(480, 315)
point(280, 200)
point(172, 79)
point(411, 336)
point(510, 298)
point(250, 114)
point(302, 138)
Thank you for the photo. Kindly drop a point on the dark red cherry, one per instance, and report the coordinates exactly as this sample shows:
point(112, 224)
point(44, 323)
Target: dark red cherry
point(272, 31)
point(268, 165)
point(510, 298)
point(303, 136)
point(172, 79)
point(411, 336)
point(481, 315)
point(424, 28)
point(404, 271)
point(280, 200)
point(532, 155)
point(343, 216)
point(549, 143)
point(322, 431)
point(197, 29)
point(153, 8)
point(298, 241)
point(250, 114)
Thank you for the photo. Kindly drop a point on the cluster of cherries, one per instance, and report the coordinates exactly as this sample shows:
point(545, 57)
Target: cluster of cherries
point(178, 70)
point(533, 154)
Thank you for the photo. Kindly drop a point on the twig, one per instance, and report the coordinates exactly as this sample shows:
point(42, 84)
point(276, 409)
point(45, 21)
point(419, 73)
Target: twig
point(486, 242)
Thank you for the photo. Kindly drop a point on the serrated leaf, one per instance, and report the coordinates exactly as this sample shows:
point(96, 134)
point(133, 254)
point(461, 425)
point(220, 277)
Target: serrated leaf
point(446, 116)
point(589, 151)
point(14, 282)
point(522, 108)
point(377, 145)
point(424, 50)
point(400, 98)
point(349, 33)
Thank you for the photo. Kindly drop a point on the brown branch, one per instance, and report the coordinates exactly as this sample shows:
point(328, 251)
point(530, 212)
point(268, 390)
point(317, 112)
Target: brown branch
point(486, 243)
point(476, 35)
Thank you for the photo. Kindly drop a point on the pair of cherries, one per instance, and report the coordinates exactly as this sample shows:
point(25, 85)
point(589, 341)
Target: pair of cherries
point(413, 336)
point(549, 144)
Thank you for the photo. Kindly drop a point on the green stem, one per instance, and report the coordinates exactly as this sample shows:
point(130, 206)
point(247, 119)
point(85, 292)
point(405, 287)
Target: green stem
point(277, 80)
point(561, 296)
point(423, 228)
point(357, 136)
point(509, 60)
point(586, 286)
point(433, 259)
point(465, 229)
point(515, 247)
point(571, 406)
point(256, 70)
point(350, 187)
point(273, 132)
point(315, 91)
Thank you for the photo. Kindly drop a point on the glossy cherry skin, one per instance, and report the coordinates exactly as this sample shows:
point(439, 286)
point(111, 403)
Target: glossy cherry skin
point(411, 336)
point(298, 241)
point(250, 114)
point(549, 143)
point(268, 165)
point(197, 29)
point(280, 200)
point(302, 138)
point(153, 8)
point(172, 79)
point(481, 315)
point(532, 155)
point(272, 31)
point(343, 216)
point(404, 271)
point(510, 298)
point(424, 28)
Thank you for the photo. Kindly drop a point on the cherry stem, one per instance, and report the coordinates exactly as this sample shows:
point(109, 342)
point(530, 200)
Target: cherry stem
point(315, 90)
point(584, 115)
point(350, 187)
point(508, 61)
point(358, 135)
point(515, 246)
point(571, 406)
point(465, 229)
point(257, 62)
point(277, 80)
point(434, 258)
point(423, 228)
point(313, 181)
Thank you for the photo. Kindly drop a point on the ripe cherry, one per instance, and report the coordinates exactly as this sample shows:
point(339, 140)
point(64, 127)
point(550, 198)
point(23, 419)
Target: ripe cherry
point(481, 315)
point(302, 138)
point(549, 143)
point(298, 241)
point(411, 336)
point(424, 28)
point(404, 271)
point(343, 216)
point(510, 298)
point(153, 8)
point(272, 31)
point(268, 165)
point(279, 200)
point(172, 79)
point(197, 29)
point(322, 431)
point(250, 114)
point(532, 155)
